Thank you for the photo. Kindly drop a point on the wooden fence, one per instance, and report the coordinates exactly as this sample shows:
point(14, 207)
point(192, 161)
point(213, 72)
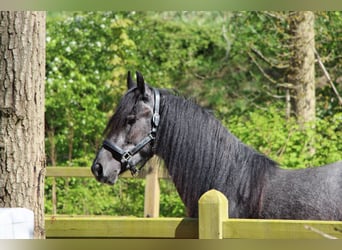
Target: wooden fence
point(152, 173)
point(213, 222)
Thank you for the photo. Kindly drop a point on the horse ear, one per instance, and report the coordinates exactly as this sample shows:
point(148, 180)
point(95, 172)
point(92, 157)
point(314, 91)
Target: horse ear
point(130, 82)
point(140, 82)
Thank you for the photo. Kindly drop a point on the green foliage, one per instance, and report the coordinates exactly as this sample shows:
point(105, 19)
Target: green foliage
point(170, 203)
point(176, 45)
point(209, 56)
point(83, 63)
point(328, 136)
point(86, 196)
point(283, 141)
point(328, 44)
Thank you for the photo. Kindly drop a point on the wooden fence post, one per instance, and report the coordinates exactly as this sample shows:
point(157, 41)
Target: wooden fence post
point(213, 210)
point(152, 190)
point(54, 196)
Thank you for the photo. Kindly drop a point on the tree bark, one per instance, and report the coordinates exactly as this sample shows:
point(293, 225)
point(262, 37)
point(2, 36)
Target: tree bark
point(22, 74)
point(302, 65)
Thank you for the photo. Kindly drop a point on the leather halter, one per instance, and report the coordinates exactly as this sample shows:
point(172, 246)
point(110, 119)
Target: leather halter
point(125, 157)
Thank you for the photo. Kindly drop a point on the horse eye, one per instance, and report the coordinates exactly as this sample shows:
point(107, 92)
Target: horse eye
point(131, 119)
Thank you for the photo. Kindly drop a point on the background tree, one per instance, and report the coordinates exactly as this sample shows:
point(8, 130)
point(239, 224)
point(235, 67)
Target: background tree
point(302, 70)
point(22, 73)
point(302, 65)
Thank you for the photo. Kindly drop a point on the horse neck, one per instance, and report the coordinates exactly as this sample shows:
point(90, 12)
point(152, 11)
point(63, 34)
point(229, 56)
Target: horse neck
point(200, 154)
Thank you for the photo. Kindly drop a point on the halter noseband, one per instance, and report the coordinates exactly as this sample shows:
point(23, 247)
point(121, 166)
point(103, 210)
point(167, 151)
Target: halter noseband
point(125, 157)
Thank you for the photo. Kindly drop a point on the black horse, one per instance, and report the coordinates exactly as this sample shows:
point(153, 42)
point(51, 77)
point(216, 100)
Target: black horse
point(200, 154)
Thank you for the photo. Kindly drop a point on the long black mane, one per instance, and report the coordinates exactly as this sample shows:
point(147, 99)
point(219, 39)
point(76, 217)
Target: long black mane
point(201, 154)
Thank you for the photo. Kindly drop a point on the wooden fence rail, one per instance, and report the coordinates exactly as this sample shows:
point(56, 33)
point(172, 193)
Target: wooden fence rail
point(213, 223)
point(152, 173)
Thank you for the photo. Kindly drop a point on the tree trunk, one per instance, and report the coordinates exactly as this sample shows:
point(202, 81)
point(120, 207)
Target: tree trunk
point(302, 72)
point(52, 146)
point(22, 73)
point(302, 65)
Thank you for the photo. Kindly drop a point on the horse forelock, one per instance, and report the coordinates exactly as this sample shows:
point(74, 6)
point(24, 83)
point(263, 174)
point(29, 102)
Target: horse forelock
point(123, 109)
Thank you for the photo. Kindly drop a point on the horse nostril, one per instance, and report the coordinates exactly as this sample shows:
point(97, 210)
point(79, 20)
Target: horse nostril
point(98, 170)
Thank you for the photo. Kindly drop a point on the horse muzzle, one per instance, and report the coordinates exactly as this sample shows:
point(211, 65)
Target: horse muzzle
point(107, 177)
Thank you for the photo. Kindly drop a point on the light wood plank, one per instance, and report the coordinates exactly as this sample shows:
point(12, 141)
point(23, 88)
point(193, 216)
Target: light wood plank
point(86, 172)
point(119, 227)
point(213, 223)
point(279, 229)
point(68, 172)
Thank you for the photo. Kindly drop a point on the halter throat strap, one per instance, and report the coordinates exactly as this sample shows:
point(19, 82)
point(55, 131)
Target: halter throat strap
point(125, 156)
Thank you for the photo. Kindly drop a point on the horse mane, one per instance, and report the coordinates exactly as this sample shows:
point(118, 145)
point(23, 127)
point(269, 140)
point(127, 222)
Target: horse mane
point(201, 154)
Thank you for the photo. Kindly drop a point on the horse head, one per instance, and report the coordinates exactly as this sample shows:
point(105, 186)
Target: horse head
point(130, 133)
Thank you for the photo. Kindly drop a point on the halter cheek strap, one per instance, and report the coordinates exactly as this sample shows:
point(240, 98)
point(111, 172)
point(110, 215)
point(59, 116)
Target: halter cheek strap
point(125, 157)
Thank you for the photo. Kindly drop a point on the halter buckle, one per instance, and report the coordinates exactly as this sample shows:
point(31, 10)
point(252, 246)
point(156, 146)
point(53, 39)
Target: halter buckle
point(126, 157)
